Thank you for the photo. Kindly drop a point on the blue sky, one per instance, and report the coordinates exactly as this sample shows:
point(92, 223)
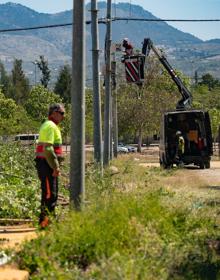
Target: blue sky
point(172, 9)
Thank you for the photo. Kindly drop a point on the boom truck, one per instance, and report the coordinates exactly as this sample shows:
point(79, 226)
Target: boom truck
point(193, 124)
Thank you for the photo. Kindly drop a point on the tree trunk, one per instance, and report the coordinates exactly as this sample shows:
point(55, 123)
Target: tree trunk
point(139, 140)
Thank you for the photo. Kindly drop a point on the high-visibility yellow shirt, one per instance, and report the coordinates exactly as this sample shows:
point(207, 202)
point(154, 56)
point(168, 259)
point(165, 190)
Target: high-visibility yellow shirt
point(181, 144)
point(50, 133)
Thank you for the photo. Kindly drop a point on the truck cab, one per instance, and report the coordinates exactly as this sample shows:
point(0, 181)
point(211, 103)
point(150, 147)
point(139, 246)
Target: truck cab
point(196, 131)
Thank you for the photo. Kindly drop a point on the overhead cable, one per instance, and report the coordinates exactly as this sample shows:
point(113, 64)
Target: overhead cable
point(104, 21)
point(157, 19)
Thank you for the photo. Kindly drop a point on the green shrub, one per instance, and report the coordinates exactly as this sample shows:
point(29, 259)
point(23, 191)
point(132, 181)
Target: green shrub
point(19, 190)
point(145, 233)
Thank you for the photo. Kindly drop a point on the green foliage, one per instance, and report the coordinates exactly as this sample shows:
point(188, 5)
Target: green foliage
point(208, 99)
point(66, 124)
point(13, 118)
point(20, 85)
point(139, 110)
point(126, 235)
point(209, 81)
point(38, 102)
point(19, 190)
point(5, 81)
point(43, 66)
point(63, 84)
point(215, 120)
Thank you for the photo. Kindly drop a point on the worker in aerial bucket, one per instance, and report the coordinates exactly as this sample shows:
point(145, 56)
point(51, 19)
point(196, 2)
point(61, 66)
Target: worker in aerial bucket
point(128, 48)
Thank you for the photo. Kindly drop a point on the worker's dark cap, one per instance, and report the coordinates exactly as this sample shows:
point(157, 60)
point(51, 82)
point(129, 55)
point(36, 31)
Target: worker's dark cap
point(55, 107)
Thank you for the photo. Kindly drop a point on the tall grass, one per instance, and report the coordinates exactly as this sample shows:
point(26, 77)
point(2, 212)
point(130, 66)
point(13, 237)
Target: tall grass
point(127, 234)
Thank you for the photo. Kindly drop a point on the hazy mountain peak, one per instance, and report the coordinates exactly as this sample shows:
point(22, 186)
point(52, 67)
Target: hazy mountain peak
point(11, 5)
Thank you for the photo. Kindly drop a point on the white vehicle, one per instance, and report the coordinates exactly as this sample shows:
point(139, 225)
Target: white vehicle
point(131, 149)
point(122, 149)
point(27, 139)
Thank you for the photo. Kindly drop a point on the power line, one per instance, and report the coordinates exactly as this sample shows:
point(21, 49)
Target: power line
point(104, 21)
point(35, 27)
point(156, 19)
point(45, 26)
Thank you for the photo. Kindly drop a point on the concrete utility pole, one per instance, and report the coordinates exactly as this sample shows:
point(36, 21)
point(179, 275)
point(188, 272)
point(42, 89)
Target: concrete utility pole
point(107, 120)
point(219, 142)
point(96, 85)
point(77, 168)
point(35, 72)
point(114, 108)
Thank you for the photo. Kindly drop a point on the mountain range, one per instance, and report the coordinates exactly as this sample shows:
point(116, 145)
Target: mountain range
point(183, 50)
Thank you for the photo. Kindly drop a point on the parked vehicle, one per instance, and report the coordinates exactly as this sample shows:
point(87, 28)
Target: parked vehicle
point(196, 130)
point(27, 139)
point(131, 149)
point(122, 149)
point(193, 124)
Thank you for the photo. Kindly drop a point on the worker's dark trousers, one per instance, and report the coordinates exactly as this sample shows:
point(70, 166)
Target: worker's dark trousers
point(49, 188)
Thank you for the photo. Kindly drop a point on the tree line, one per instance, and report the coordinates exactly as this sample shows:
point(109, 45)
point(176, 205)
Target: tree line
point(23, 107)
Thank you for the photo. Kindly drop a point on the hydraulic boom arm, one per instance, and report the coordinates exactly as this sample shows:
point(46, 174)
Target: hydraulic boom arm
point(186, 101)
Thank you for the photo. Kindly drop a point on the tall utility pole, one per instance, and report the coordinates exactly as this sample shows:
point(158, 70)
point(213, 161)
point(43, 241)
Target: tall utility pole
point(96, 85)
point(114, 107)
point(35, 72)
point(107, 119)
point(77, 160)
point(219, 142)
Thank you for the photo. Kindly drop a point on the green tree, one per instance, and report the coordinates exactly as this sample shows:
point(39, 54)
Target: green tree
point(215, 121)
point(209, 81)
point(139, 110)
point(43, 66)
point(14, 118)
point(208, 100)
point(203, 98)
point(196, 78)
point(63, 84)
point(66, 123)
point(38, 102)
point(20, 84)
point(5, 81)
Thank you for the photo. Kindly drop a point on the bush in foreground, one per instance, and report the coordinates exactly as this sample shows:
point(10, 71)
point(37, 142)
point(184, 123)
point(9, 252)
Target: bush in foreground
point(127, 236)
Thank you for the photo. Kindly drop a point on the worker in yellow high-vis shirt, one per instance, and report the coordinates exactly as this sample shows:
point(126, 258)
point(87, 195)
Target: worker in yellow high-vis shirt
point(180, 147)
point(48, 157)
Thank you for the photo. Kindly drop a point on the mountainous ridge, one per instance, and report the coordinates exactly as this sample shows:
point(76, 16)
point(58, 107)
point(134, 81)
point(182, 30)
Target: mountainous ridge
point(55, 43)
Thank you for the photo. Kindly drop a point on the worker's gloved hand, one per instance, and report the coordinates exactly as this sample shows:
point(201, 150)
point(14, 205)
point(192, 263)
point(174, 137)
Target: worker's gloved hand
point(56, 172)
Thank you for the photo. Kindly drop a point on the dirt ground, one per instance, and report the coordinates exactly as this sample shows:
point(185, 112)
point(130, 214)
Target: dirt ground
point(209, 177)
point(12, 237)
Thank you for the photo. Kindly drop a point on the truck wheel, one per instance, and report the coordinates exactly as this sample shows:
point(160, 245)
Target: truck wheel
point(163, 164)
point(202, 165)
point(207, 164)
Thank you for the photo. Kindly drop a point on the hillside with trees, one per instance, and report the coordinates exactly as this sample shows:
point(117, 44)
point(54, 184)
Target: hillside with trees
point(186, 52)
point(139, 110)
